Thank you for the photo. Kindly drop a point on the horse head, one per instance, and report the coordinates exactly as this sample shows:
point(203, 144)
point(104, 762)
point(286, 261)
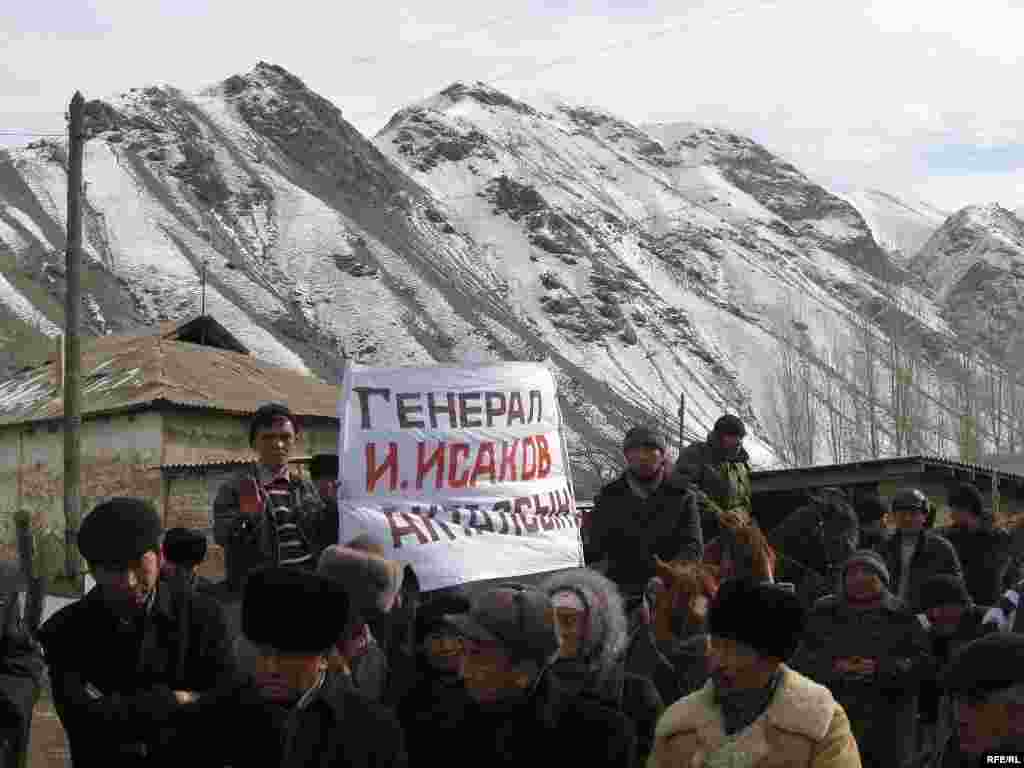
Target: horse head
point(689, 588)
point(745, 550)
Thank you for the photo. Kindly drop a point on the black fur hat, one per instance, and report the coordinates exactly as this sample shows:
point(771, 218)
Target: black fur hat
point(985, 666)
point(765, 617)
point(730, 425)
point(119, 531)
point(293, 611)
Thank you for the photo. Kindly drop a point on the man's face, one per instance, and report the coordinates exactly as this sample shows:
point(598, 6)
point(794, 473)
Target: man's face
point(126, 587)
point(963, 519)
point(736, 666)
point(911, 520)
point(284, 677)
point(443, 650)
point(982, 724)
point(862, 583)
point(489, 674)
point(729, 441)
point(945, 618)
point(274, 444)
point(645, 460)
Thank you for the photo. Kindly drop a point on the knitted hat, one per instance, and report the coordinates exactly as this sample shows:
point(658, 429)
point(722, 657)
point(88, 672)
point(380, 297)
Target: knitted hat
point(639, 437)
point(872, 560)
point(119, 531)
point(765, 617)
point(985, 666)
point(943, 589)
point(293, 611)
point(184, 547)
point(968, 498)
point(431, 615)
point(516, 617)
point(372, 582)
point(730, 425)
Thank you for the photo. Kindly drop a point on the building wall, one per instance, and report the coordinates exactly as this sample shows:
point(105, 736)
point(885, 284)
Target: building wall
point(120, 456)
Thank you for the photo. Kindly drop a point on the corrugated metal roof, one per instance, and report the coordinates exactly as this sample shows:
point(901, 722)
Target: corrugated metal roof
point(926, 459)
point(225, 464)
point(128, 372)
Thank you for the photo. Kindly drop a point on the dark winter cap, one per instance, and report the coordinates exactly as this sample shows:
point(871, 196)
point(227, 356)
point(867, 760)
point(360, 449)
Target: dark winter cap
point(372, 581)
point(985, 666)
point(765, 617)
point(943, 589)
point(293, 611)
point(324, 465)
point(730, 425)
point(265, 416)
point(432, 615)
point(968, 498)
point(518, 618)
point(872, 560)
point(870, 509)
point(910, 499)
point(639, 437)
point(119, 531)
point(184, 547)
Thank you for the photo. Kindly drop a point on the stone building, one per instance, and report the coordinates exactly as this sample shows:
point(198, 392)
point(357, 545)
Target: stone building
point(179, 395)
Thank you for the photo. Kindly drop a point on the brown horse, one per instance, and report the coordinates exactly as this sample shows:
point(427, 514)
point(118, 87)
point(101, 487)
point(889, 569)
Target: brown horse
point(687, 591)
point(741, 550)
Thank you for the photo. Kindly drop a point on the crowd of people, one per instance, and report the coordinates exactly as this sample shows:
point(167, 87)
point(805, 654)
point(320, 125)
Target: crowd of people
point(691, 639)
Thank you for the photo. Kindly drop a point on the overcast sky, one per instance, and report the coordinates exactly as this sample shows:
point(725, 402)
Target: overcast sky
point(914, 97)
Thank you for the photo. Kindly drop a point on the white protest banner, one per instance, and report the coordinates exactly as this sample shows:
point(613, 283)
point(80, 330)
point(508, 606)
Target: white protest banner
point(458, 471)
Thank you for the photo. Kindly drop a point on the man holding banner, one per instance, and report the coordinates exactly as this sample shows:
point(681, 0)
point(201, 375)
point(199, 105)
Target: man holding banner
point(458, 472)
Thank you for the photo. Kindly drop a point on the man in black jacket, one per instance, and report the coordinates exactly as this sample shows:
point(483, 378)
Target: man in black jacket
point(986, 553)
point(912, 553)
point(21, 672)
point(519, 714)
point(644, 513)
point(268, 515)
point(133, 655)
point(292, 712)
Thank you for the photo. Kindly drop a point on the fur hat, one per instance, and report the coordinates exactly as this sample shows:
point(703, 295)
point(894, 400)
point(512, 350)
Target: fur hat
point(871, 560)
point(183, 546)
point(372, 581)
point(730, 425)
point(119, 531)
point(293, 611)
point(607, 628)
point(985, 666)
point(765, 617)
point(943, 589)
point(638, 437)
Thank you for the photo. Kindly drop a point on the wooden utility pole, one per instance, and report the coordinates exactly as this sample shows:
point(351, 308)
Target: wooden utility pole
point(72, 372)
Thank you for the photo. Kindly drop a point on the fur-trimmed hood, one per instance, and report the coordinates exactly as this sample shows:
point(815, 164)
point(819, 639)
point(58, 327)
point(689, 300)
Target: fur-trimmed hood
point(607, 628)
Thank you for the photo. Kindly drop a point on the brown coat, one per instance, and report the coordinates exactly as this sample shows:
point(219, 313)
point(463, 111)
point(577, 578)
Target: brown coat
point(803, 726)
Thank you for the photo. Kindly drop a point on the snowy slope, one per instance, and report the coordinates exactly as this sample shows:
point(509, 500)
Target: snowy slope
point(638, 263)
point(975, 263)
point(899, 225)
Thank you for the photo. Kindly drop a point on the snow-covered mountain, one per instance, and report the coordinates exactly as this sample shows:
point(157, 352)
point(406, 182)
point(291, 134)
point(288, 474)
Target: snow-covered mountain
point(900, 226)
point(975, 263)
point(638, 263)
